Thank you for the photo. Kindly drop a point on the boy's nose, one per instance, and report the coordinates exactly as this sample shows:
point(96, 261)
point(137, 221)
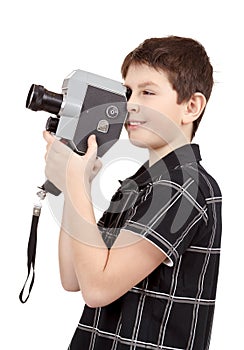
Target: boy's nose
point(133, 107)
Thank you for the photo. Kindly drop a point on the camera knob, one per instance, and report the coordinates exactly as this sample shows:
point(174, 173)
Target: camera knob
point(112, 111)
point(52, 124)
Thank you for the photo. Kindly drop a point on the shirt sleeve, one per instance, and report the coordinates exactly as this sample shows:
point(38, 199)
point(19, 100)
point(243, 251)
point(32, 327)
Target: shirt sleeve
point(170, 216)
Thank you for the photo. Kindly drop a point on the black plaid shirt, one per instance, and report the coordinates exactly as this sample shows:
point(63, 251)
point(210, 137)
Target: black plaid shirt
point(176, 205)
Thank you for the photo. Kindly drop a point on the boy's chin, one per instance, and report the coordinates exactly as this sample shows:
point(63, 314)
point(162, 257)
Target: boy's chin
point(139, 143)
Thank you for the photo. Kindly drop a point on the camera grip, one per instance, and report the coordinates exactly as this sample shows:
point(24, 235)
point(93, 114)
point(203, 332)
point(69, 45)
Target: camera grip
point(49, 187)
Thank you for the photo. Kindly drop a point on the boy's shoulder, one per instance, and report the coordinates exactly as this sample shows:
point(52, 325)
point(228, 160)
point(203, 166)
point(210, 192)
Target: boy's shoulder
point(184, 168)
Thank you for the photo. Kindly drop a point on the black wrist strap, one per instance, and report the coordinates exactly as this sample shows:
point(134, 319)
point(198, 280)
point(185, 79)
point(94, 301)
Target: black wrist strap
point(31, 253)
point(31, 249)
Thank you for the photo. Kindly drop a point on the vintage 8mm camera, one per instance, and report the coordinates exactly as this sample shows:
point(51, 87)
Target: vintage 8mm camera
point(89, 104)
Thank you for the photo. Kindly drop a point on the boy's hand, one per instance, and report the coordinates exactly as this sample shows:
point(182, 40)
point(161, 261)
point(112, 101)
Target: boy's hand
point(67, 170)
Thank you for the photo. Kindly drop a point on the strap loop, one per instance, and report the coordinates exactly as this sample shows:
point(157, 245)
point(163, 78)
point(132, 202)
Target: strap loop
point(31, 250)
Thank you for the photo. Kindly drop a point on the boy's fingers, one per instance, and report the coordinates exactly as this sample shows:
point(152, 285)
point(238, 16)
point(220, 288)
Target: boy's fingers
point(48, 137)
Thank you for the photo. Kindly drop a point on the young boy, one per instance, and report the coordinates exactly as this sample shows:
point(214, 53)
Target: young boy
point(148, 270)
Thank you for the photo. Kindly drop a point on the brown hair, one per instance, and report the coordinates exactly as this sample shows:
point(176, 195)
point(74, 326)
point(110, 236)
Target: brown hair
point(185, 62)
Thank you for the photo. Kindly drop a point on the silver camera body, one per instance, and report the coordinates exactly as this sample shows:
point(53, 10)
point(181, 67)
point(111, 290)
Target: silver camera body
point(89, 104)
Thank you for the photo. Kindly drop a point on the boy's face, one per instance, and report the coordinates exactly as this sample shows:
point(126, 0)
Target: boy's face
point(155, 117)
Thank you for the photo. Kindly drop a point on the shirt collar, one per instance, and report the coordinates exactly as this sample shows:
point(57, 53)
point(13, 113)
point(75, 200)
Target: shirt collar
point(189, 153)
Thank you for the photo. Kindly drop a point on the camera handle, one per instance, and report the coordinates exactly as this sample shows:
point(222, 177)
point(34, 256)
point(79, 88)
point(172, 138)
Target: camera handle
point(49, 187)
point(31, 250)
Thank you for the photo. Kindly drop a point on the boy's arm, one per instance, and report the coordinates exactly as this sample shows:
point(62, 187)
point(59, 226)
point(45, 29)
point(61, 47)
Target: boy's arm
point(66, 267)
point(102, 275)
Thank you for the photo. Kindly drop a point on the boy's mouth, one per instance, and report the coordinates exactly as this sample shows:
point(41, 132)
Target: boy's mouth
point(135, 122)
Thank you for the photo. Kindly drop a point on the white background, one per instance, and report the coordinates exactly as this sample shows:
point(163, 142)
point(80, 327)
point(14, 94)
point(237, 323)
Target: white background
point(43, 41)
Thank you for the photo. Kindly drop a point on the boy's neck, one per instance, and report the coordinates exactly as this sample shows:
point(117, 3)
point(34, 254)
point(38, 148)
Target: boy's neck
point(156, 154)
point(182, 138)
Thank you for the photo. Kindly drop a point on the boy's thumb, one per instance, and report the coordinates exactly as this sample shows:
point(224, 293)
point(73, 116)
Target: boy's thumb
point(92, 146)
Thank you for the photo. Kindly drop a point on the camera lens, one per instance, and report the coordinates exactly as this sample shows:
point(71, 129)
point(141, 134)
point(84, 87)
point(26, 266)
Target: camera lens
point(40, 99)
point(52, 124)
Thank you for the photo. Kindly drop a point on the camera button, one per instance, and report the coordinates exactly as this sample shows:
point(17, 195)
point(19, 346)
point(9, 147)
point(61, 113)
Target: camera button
point(103, 126)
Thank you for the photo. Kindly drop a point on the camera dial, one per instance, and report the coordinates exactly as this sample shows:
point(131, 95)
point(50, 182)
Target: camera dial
point(112, 112)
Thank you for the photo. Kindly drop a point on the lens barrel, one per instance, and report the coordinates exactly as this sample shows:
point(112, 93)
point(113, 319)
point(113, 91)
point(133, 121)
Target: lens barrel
point(40, 99)
point(52, 124)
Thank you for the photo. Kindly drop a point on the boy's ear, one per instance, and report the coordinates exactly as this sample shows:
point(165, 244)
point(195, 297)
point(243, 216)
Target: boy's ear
point(194, 108)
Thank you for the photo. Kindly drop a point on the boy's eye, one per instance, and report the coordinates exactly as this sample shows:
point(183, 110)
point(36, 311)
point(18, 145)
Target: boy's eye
point(128, 93)
point(146, 92)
